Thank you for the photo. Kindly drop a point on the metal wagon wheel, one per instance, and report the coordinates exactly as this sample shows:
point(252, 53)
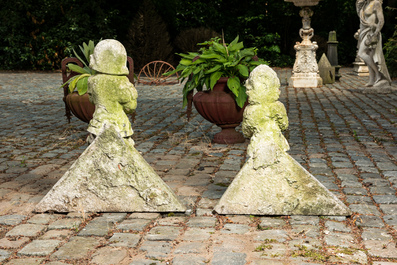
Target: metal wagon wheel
point(152, 74)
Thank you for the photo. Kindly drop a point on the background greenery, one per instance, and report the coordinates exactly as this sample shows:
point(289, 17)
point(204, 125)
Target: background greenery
point(38, 34)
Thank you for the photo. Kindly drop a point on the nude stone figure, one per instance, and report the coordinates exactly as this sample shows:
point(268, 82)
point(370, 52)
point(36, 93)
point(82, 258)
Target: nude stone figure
point(370, 41)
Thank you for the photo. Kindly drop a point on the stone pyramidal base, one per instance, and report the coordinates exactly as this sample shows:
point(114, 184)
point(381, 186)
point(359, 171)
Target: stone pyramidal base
point(110, 176)
point(284, 188)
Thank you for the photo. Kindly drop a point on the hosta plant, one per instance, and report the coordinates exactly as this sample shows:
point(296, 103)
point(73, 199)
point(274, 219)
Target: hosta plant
point(214, 60)
point(79, 82)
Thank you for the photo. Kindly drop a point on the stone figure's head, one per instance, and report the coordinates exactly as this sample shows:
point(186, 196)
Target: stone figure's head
point(109, 57)
point(262, 85)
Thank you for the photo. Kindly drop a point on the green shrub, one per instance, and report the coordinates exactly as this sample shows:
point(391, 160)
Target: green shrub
point(187, 40)
point(391, 54)
point(39, 34)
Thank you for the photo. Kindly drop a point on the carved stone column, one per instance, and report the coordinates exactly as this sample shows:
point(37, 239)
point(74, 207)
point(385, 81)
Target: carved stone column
point(332, 53)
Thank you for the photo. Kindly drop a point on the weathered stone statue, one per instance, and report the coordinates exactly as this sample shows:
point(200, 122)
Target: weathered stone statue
point(110, 90)
point(370, 44)
point(271, 182)
point(110, 175)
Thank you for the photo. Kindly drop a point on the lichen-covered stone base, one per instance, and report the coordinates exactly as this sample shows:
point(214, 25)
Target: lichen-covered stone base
point(110, 176)
point(284, 188)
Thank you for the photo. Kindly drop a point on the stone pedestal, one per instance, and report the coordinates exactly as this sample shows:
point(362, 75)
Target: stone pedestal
point(110, 176)
point(305, 80)
point(332, 53)
point(285, 188)
point(305, 71)
point(382, 87)
point(360, 68)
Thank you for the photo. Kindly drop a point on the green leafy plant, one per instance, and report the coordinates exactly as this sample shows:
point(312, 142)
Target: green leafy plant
point(79, 82)
point(269, 46)
point(217, 59)
point(391, 53)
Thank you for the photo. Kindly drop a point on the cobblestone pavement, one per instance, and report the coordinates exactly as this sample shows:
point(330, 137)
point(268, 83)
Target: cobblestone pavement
point(345, 139)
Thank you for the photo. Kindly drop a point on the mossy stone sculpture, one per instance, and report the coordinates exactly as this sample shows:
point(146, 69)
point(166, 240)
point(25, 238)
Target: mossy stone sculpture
point(271, 182)
point(110, 175)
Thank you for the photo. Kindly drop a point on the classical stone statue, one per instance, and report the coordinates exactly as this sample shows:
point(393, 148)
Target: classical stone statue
point(271, 182)
point(370, 42)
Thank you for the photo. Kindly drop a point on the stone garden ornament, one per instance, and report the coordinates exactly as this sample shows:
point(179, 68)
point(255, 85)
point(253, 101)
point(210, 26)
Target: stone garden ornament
point(305, 71)
point(332, 53)
point(271, 182)
point(370, 45)
point(110, 175)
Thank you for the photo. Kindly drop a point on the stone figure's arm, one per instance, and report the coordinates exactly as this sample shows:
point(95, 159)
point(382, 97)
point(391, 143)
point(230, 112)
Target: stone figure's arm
point(128, 101)
point(247, 129)
point(130, 106)
point(246, 125)
point(380, 17)
point(255, 117)
point(359, 6)
point(279, 113)
point(90, 92)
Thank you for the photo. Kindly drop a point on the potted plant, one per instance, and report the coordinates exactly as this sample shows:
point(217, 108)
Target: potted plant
point(75, 74)
point(218, 72)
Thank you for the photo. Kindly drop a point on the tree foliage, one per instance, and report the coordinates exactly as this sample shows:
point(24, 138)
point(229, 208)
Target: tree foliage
point(391, 49)
point(148, 38)
point(38, 34)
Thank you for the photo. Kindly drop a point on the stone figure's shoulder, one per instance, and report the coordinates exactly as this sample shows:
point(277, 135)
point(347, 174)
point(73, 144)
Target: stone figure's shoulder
point(109, 77)
point(110, 80)
point(257, 109)
point(277, 107)
point(377, 5)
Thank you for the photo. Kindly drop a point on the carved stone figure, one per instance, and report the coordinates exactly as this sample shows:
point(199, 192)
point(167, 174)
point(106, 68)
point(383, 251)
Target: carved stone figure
point(370, 42)
point(111, 175)
point(264, 118)
point(271, 182)
point(110, 90)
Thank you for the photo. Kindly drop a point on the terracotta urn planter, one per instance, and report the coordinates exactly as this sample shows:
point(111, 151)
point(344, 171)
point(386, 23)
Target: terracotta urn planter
point(79, 105)
point(218, 106)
